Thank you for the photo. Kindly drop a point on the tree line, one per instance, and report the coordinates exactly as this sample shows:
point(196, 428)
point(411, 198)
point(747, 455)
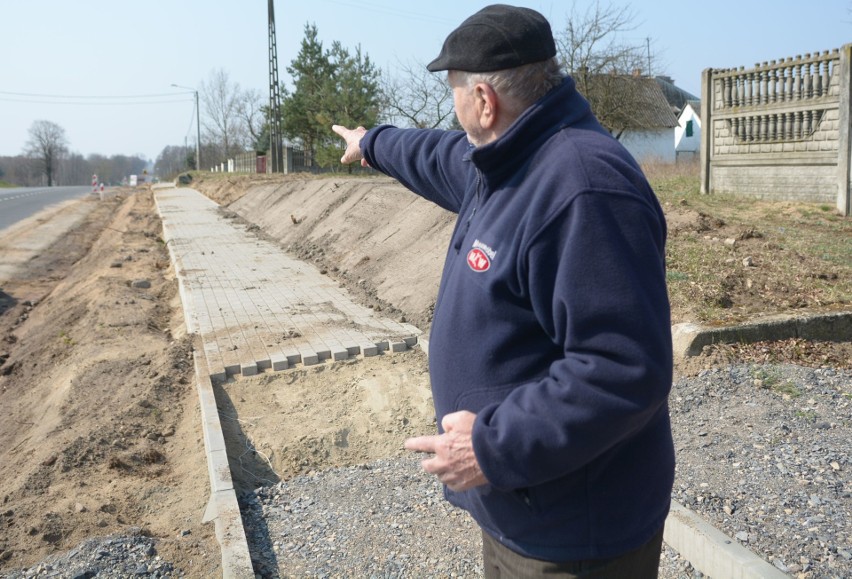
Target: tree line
point(46, 161)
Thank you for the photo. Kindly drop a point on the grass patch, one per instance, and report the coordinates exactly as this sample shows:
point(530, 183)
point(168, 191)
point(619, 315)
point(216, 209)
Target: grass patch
point(808, 415)
point(730, 258)
point(770, 379)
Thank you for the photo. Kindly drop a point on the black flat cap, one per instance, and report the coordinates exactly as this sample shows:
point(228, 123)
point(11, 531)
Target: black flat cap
point(497, 37)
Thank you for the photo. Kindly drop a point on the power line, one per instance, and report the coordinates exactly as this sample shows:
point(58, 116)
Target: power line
point(91, 103)
point(65, 96)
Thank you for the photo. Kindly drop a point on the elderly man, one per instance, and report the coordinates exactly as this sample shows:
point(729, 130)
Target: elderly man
point(550, 350)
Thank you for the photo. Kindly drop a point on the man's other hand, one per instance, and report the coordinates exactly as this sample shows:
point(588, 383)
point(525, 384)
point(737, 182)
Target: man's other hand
point(453, 460)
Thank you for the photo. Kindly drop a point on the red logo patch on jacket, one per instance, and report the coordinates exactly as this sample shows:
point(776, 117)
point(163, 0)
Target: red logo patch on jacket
point(478, 260)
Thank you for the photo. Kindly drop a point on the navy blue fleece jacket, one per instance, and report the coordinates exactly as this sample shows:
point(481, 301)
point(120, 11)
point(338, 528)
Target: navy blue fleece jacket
point(551, 324)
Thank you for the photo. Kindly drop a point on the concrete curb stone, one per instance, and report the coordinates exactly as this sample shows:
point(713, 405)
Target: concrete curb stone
point(689, 339)
point(222, 508)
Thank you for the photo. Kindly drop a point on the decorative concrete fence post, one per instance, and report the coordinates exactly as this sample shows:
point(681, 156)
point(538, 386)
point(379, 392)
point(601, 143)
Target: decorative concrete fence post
point(844, 172)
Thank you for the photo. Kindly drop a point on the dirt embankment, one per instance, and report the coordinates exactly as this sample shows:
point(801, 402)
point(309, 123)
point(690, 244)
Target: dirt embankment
point(100, 420)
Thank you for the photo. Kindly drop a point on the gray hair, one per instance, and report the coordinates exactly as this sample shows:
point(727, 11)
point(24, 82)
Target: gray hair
point(523, 85)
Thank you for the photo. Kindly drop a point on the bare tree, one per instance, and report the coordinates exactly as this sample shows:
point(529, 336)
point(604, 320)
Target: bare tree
point(607, 70)
point(222, 125)
point(252, 112)
point(591, 43)
point(77, 169)
point(173, 159)
point(416, 98)
point(47, 145)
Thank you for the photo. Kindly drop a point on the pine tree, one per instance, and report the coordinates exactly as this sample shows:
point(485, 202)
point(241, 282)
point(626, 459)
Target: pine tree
point(329, 87)
point(301, 108)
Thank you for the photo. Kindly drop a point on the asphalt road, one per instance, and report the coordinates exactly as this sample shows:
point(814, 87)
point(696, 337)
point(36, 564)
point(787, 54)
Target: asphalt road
point(20, 203)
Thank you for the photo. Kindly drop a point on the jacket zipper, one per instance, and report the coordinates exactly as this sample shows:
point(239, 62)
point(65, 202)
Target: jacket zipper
point(461, 237)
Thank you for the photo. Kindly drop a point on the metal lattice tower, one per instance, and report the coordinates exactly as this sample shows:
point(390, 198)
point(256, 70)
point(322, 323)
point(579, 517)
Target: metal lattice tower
point(275, 155)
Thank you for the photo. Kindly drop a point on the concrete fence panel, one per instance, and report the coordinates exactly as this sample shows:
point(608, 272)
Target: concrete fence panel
point(780, 130)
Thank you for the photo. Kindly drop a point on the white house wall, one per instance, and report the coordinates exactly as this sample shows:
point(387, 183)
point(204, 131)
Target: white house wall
point(682, 142)
point(653, 145)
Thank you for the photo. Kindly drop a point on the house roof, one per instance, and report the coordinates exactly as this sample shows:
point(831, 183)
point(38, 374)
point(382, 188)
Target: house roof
point(696, 107)
point(628, 102)
point(651, 109)
point(676, 96)
point(658, 112)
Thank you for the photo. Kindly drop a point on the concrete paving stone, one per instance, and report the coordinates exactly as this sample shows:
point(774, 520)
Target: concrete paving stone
point(293, 356)
point(232, 368)
point(370, 350)
point(279, 362)
point(217, 373)
point(213, 355)
point(310, 359)
point(354, 341)
point(261, 330)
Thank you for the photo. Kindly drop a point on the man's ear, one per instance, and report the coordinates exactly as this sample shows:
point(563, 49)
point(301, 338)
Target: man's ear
point(486, 105)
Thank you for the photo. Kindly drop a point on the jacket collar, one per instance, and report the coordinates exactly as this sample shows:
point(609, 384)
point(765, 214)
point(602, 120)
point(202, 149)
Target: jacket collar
point(561, 107)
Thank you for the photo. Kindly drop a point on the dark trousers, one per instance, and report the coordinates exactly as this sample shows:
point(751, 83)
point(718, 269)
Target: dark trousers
point(503, 563)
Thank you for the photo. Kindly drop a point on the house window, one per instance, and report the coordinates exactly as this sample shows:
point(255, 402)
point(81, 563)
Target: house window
point(688, 128)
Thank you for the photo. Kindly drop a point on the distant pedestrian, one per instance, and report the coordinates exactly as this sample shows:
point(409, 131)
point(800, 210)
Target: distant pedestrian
point(550, 351)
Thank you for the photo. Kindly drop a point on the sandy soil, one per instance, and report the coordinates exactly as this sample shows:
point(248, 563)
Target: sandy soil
point(101, 424)
point(282, 424)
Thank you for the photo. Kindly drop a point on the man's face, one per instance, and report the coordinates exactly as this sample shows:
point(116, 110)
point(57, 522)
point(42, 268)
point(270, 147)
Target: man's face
point(464, 99)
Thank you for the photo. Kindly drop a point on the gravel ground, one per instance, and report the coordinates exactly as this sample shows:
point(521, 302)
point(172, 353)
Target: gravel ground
point(383, 520)
point(117, 557)
point(764, 454)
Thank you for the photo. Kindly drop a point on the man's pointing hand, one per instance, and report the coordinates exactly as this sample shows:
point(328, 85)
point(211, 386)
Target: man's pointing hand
point(353, 144)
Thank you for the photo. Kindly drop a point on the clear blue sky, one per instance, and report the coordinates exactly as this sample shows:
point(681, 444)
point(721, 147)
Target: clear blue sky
point(117, 48)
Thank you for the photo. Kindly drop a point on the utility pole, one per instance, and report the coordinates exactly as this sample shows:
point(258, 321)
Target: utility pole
point(197, 126)
point(275, 156)
point(197, 134)
point(648, 41)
